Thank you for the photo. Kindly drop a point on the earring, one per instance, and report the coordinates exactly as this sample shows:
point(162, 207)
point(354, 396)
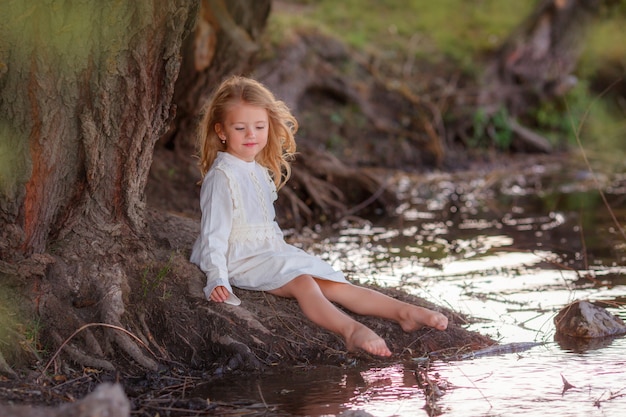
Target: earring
point(223, 139)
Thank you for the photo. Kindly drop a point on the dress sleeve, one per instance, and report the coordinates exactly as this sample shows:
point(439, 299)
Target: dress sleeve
point(210, 249)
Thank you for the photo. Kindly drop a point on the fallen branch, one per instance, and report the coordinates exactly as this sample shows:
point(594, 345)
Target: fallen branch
point(531, 139)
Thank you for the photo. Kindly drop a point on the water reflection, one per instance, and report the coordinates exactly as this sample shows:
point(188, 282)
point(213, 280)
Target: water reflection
point(321, 390)
point(528, 383)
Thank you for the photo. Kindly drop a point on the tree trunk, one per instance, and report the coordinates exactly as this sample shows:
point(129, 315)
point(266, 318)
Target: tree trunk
point(85, 92)
point(535, 65)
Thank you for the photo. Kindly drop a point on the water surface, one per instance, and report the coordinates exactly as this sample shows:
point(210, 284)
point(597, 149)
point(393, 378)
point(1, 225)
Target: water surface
point(508, 248)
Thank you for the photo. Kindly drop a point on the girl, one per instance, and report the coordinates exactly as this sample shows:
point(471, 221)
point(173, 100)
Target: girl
point(246, 143)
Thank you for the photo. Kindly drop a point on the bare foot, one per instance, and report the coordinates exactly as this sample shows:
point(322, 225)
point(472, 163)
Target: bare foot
point(364, 338)
point(415, 317)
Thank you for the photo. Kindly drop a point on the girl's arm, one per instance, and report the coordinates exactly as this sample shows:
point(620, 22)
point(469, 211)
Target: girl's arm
point(217, 219)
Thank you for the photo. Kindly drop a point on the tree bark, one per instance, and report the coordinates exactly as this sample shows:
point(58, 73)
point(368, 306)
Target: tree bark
point(85, 92)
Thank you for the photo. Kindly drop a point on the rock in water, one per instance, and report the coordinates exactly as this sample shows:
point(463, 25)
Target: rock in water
point(586, 320)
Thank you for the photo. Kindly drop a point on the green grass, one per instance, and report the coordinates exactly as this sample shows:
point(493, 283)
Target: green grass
point(430, 29)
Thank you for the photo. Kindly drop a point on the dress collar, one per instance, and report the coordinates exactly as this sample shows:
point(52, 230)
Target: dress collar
point(236, 161)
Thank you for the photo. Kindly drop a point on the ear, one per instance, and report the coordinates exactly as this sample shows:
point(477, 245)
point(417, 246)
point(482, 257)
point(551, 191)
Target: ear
point(219, 130)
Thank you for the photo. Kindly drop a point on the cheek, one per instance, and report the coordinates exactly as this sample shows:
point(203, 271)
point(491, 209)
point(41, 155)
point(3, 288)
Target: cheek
point(236, 134)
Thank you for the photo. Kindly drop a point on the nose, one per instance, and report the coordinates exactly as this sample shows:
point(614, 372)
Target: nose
point(250, 132)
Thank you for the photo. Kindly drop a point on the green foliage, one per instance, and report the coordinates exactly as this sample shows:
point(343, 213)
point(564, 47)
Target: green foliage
point(603, 43)
point(457, 29)
point(560, 119)
point(602, 127)
point(30, 337)
point(503, 134)
point(581, 113)
point(493, 130)
point(480, 123)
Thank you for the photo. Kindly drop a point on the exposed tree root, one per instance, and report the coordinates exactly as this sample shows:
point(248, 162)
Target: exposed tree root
point(340, 95)
point(88, 287)
point(85, 359)
point(78, 356)
point(322, 187)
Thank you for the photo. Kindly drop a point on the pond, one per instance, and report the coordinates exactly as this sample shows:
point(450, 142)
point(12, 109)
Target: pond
point(509, 248)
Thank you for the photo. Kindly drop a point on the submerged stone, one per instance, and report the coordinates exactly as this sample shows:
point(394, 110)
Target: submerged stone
point(586, 320)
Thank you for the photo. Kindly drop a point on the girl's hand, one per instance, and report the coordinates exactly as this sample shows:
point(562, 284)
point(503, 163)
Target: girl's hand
point(219, 294)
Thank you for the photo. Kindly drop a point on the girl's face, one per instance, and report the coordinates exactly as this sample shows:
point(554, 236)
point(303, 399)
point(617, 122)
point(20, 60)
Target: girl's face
point(245, 130)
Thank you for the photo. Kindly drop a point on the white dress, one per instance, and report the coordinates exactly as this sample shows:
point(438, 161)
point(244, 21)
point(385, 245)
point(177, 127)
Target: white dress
point(240, 243)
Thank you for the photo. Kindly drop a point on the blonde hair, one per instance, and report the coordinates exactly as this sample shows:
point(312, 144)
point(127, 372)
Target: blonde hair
point(281, 144)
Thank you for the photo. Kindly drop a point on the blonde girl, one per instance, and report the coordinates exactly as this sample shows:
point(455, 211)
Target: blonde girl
point(246, 144)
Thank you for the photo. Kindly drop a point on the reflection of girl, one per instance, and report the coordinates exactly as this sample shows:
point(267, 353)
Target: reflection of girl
point(246, 144)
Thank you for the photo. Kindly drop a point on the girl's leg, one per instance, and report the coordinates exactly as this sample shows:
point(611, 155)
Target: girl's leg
point(322, 312)
point(366, 301)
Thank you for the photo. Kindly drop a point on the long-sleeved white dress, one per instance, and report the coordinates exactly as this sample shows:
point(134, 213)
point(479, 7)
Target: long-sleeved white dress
point(240, 242)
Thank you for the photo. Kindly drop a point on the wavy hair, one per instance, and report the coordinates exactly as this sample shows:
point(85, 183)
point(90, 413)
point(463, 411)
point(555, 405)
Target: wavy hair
point(281, 145)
